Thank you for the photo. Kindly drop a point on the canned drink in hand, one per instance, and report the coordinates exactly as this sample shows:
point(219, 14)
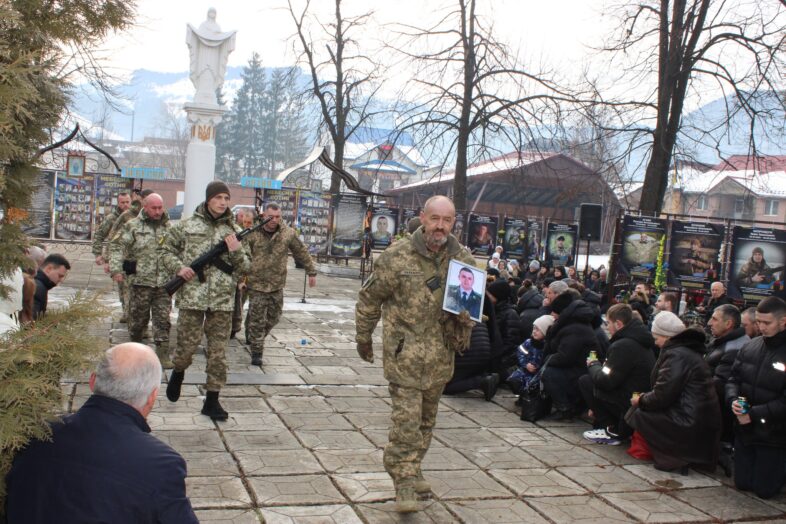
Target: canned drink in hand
point(635, 395)
point(744, 405)
point(593, 356)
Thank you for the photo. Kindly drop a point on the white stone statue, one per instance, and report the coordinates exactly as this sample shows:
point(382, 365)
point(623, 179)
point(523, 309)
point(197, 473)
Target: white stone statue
point(209, 49)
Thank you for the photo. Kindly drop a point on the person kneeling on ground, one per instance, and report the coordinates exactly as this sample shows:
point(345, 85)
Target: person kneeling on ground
point(530, 356)
point(608, 387)
point(759, 374)
point(680, 417)
point(569, 342)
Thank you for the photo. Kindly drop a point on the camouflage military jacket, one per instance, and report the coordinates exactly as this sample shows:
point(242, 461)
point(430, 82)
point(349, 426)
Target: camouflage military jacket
point(415, 350)
point(102, 233)
point(125, 217)
point(141, 239)
point(192, 237)
point(269, 258)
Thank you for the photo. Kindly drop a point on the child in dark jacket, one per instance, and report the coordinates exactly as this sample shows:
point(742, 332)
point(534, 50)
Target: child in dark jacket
point(530, 356)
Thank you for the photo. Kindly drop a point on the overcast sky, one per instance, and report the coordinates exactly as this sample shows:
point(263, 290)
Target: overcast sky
point(555, 31)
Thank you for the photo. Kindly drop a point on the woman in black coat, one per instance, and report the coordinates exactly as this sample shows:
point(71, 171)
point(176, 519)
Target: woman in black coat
point(498, 293)
point(568, 344)
point(680, 417)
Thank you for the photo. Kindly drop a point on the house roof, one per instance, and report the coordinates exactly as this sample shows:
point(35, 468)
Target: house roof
point(762, 164)
point(770, 184)
point(506, 162)
point(364, 139)
point(383, 166)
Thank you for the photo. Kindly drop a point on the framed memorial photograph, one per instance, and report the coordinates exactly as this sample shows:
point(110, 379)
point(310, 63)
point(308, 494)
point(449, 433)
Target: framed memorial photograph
point(76, 165)
point(465, 290)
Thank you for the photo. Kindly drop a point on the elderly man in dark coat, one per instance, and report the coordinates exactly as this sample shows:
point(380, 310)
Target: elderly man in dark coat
point(102, 464)
point(680, 417)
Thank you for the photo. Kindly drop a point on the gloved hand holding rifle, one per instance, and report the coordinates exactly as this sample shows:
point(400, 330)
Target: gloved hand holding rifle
point(210, 257)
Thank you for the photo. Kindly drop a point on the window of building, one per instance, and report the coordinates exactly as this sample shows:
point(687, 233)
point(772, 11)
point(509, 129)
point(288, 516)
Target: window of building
point(702, 203)
point(771, 207)
point(739, 205)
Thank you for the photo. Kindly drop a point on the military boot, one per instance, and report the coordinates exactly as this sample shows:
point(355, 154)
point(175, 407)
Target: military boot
point(174, 385)
point(256, 358)
point(421, 485)
point(406, 498)
point(212, 407)
point(163, 356)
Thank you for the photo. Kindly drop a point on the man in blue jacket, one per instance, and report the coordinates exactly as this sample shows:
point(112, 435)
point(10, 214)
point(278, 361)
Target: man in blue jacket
point(102, 464)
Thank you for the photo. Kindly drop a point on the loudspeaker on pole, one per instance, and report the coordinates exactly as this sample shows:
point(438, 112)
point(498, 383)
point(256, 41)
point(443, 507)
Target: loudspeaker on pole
point(590, 219)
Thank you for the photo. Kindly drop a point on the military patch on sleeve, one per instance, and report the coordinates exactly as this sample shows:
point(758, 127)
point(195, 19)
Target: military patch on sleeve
point(117, 235)
point(369, 281)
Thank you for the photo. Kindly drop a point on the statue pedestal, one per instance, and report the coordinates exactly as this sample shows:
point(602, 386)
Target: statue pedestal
point(201, 152)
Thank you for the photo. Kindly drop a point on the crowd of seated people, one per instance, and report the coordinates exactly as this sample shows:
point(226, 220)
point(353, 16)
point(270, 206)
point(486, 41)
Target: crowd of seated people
point(639, 367)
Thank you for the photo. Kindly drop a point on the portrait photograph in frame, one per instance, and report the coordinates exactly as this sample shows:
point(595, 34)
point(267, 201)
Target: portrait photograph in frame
point(465, 290)
point(76, 166)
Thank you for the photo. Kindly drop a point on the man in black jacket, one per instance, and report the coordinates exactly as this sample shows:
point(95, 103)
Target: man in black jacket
point(102, 464)
point(53, 270)
point(568, 343)
point(759, 375)
point(608, 387)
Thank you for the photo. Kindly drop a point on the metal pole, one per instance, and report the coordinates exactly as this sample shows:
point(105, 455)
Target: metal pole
point(586, 263)
point(305, 280)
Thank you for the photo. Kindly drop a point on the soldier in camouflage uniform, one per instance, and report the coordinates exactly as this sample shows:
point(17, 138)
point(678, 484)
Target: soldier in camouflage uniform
point(140, 241)
point(102, 234)
point(418, 338)
point(245, 219)
point(205, 303)
point(122, 220)
point(269, 247)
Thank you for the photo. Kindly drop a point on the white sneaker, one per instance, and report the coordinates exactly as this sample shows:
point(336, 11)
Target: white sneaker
point(601, 436)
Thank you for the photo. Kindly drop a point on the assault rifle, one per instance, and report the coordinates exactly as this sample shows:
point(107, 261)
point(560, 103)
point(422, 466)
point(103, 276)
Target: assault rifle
point(210, 257)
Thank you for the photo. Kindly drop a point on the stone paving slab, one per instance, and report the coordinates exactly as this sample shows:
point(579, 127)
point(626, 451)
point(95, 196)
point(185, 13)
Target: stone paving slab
point(210, 464)
point(185, 421)
point(430, 512)
point(726, 503)
point(267, 439)
point(664, 479)
point(463, 484)
point(652, 506)
point(566, 455)
point(295, 489)
point(311, 514)
point(186, 441)
point(241, 421)
point(366, 487)
point(262, 462)
point(501, 511)
point(351, 460)
point(316, 421)
point(536, 482)
point(346, 391)
point(371, 420)
point(502, 457)
point(329, 439)
point(359, 405)
point(605, 479)
point(445, 459)
point(217, 492)
point(580, 509)
point(228, 516)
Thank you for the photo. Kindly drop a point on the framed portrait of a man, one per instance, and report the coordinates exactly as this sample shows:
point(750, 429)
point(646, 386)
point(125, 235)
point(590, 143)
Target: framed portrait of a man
point(466, 289)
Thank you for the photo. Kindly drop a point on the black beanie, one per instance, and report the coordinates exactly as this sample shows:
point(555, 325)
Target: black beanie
point(216, 187)
point(499, 289)
point(561, 302)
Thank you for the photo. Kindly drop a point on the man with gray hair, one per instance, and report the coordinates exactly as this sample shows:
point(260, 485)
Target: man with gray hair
point(552, 290)
point(102, 464)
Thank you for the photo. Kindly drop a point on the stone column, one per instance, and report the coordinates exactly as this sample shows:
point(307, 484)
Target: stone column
point(209, 50)
point(201, 153)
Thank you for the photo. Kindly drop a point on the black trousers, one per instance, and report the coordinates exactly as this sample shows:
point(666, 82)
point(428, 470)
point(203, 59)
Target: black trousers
point(761, 469)
point(607, 414)
point(562, 385)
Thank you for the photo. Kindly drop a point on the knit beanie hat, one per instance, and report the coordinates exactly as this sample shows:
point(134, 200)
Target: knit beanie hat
point(667, 324)
point(561, 302)
point(495, 255)
point(499, 289)
point(216, 187)
point(543, 323)
point(534, 266)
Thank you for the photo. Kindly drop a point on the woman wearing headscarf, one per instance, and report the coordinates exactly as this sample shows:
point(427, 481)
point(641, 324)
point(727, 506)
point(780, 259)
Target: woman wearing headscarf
point(680, 417)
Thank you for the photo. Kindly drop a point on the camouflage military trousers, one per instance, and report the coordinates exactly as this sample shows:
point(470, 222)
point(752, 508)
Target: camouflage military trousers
point(264, 312)
point(191, 323)
point(122, 293)
point(144, 300)
point(241, 295)
point(413, 417)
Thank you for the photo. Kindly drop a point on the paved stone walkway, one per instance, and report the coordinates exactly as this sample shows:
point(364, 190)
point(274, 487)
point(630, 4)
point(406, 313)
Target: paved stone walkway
point(304, 439)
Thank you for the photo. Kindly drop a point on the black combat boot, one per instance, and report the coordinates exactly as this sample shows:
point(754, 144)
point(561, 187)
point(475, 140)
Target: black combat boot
point(212, 408)
point(175, 383)
point(256, 358)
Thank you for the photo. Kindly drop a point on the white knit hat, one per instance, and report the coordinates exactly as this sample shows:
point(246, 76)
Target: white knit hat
point(667, 324)
point(543, 323)
point(495, 255)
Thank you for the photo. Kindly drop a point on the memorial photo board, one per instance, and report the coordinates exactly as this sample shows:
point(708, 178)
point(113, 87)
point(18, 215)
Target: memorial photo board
point(287, 199)
point(641, 238)
point(465, 291)
point(313, 214)
point(561, 244)
point(758, 257)
point(515, 240)
point(534, 240)
point(482, 234)
point(74, 208)
point(694, 252)
point(347, 239)
point(107, 188)
point(39, 214)
point(383, 225)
